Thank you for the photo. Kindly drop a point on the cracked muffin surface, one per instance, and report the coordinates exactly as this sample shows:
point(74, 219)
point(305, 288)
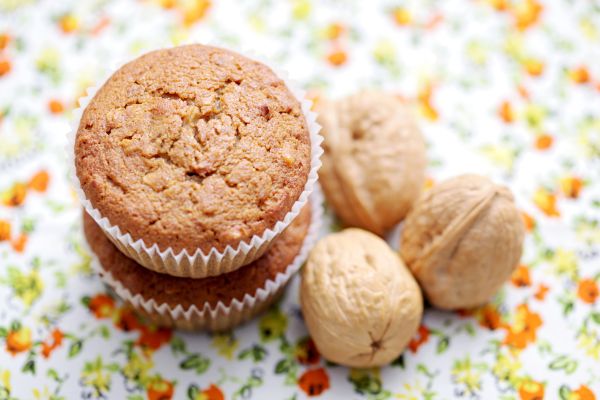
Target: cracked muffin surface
point(193, 147)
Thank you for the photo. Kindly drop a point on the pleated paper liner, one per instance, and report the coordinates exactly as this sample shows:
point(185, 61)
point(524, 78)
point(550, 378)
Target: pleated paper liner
point(221, 316)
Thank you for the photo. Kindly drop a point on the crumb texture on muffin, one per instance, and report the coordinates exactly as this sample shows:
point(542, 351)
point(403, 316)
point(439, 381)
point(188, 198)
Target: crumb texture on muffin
point(187, 292)
point(193, 147)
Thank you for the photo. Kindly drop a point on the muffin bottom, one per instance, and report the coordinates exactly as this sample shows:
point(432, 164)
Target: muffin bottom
point(221, 321)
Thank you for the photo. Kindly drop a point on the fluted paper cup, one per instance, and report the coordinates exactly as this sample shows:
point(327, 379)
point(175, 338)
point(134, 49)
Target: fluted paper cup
point(223, 315)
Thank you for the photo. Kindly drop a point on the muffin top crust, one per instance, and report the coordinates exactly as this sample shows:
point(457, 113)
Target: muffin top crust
point(193, 147)
point(187, 292)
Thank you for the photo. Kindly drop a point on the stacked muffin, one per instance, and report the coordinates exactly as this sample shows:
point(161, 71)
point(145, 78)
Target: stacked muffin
point(195, 166)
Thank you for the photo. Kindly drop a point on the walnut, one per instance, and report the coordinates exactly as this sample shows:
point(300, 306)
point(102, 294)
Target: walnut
point(462, 240)
point(374, 162)
point(360, 303)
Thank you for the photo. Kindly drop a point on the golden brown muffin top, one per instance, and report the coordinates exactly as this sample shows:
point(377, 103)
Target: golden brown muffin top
point(193, 147)
point(186, 291)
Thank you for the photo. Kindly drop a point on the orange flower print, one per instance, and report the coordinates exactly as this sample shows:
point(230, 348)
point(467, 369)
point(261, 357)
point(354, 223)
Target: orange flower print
point(524, 327)
point(167, 4)
point(100, 25)
point(506, 112)
point(520, 276)
point(16, 195)
point(528, 221)
point(531, 390)
point(18, 243)
point(127, 320)
point(421, 338)
point(587, 291)
point(5, 67)
point(4, 40)
point(534, 67)
point(160, 389)
point(18, 341)
point(334, 31)
point(52, 343)
point(4, 230)
point(499, 5)
point(489, 317)
point(314, 381)
point(195, 11)
point(212, 393)
point(425, 100)
point(39, 181)
point(337, 57)
point(306, 352)
point(546, 202)
point(580, 75)
point(571, 186)
point(541, 292)
point(543, 141)
point(153, 338)
point(55, 106)
point(523, 92)
point(68, 23)
point(402, 16)
point(526, 13)
point(102, 306)
point(583, 393)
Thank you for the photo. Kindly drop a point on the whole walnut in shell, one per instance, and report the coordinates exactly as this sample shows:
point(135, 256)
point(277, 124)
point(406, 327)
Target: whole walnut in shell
point(374, 162)
point(360, 303)
point(462, 240)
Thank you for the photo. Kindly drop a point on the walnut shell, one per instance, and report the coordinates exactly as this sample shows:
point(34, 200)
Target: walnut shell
point(360, 303)
point(462, 240)
point(374, 162)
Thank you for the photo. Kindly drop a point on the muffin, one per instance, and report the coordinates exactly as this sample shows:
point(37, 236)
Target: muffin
point(192, 149)
point(213, 303)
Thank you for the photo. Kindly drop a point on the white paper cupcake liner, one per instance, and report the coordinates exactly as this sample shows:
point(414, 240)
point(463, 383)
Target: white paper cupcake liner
point(220, 316)
point(215, 262)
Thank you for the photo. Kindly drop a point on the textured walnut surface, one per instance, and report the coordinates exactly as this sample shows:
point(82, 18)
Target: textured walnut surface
point(360, 303)
point(187, 292)
point(374, 162)
point(193, 147)
point(462, 240)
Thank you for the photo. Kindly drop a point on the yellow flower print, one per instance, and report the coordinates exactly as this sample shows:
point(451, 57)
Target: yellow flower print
point(589, 29)
point(589, 342)
point(589, 137)
point(477, 52)
point(501, 154)
point(5, 379)
point(257, 22)
point(385, 52)
point(468, 374)
point(26, 286)
point(137, 368)
point(226, 344)
point(546, 202)
point(414, 391)
point(514, 46)
point(272, 325)
point(534, 115)
point(565, 263)
point(507, 368)
point(301, 9)
point(95, 376)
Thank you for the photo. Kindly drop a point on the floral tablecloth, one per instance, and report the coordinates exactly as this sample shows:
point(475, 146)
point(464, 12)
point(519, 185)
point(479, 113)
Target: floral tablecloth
point(505, 88)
